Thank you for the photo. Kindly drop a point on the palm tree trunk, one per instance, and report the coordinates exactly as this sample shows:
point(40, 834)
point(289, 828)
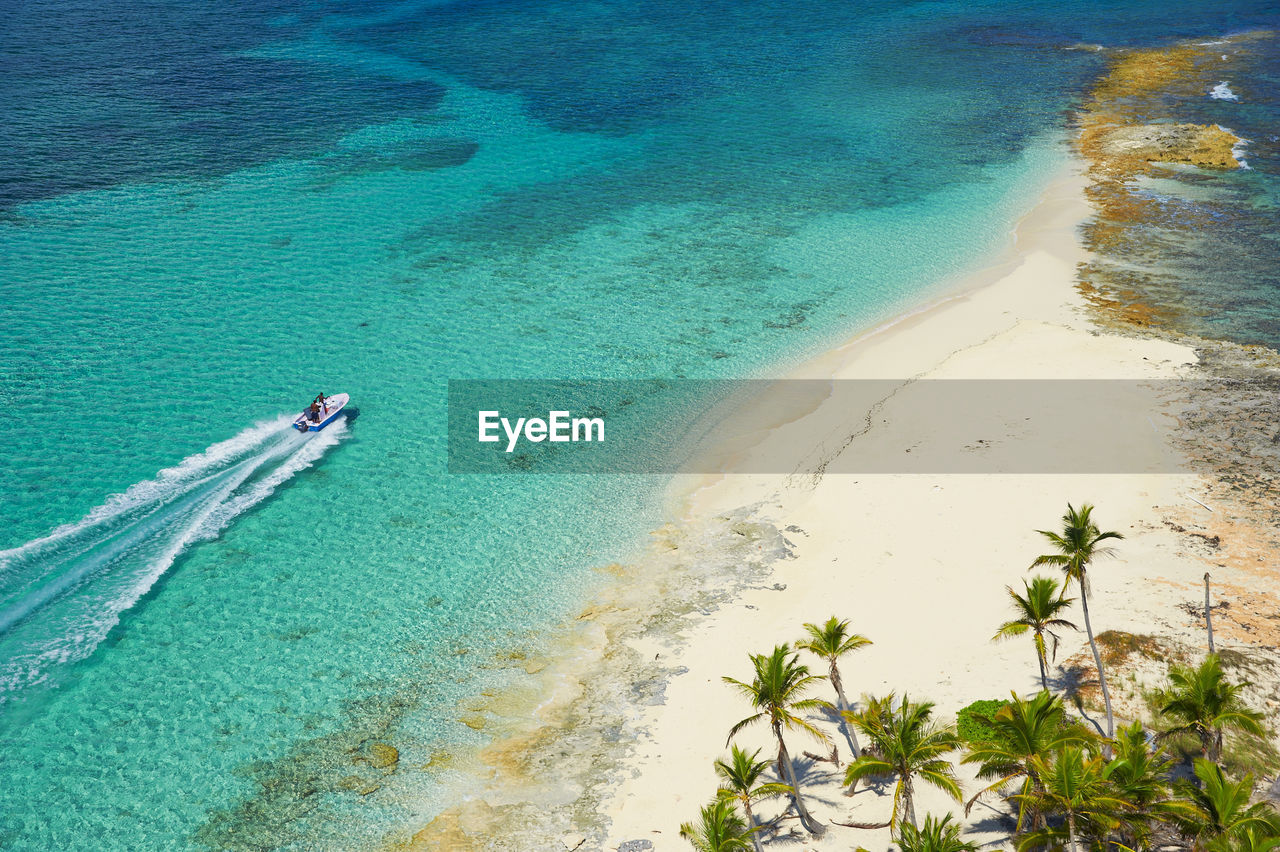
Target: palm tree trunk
point(810, 824)
point(1097, 660)
point(1044, 677)
point(1071, 831)
point(908, 800)
point(1024, 809)
point(751, 824)
point(1037, 816)
point(1208, 611)
point(1206, 743)
point(842, 704)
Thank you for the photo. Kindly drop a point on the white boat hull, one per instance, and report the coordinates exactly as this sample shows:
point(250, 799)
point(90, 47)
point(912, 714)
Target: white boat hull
point(332, 409)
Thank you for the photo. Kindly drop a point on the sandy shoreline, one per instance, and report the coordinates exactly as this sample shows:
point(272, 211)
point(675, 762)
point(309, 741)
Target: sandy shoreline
point(918, 562)
point(631, 710)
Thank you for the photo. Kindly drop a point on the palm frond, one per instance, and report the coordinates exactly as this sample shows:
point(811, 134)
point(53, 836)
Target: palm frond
point(933, 836)
point(750, 720)
point(1010, 629)
point(719, 829)
point(866, 766)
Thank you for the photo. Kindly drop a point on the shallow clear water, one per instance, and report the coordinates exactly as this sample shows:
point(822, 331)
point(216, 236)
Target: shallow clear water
point(210, 215)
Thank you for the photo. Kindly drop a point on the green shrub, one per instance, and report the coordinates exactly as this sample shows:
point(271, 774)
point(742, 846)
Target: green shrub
point(973, 722)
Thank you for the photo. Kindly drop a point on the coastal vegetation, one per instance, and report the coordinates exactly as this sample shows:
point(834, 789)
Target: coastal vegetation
point(1037, 613)
point(1063, 782)
point(1075, 549)
point(1204, 704)
point(776, 693)
point(741, 784)
point(935, 835)
point(907, 745)
point(973, 723)
point(1020, 732)
point(719, 829)
point(831, 641)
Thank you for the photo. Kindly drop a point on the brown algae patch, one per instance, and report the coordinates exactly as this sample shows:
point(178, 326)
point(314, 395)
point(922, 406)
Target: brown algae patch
point(1132, 148)
point(1131, 127)
point(289, 792)
point(564, 742)
point(1148, 72)
point(307, 796)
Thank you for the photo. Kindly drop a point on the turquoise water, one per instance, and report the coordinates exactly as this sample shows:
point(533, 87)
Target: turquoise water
point(212, 215)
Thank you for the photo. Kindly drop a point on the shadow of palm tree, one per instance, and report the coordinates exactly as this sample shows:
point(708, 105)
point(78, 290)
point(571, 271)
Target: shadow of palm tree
point(787, 836)
point(995, 822)
point(809, 771)
point(1072, 683)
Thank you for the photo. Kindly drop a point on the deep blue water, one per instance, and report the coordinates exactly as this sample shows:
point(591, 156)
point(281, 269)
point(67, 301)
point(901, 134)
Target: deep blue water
point(209, 213)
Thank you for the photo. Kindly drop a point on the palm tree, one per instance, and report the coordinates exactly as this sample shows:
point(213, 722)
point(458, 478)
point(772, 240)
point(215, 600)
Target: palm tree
point(1207, 705)
point(906, 744)
point(1248, 840)
point(832, 641)
point(719, 829)
point(1077, 547)
point(740, 782)
point(1037, 612)
point(1220, 810)
point(1022, 730)
point(776, 692)
point(1076, 786)
point(936, 835)
point(1140, 776)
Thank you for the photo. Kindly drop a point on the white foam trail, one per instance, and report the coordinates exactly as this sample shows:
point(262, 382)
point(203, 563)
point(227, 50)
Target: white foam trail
point(1222, 92)
point(311, 451)
point(165, 484)
point(206, 501)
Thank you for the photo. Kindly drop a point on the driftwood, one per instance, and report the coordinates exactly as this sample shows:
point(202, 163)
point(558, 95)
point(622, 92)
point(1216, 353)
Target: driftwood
point(866, 825)
point(831, 758)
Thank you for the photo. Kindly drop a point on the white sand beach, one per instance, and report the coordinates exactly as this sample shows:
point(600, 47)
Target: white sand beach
point(918, 563)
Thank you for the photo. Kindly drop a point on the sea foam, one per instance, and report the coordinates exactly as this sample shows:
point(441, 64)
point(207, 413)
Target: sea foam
point(1222, 92)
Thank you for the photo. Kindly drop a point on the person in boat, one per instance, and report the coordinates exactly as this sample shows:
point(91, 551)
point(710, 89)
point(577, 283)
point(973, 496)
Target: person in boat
point(313, 413)
point(322, 401)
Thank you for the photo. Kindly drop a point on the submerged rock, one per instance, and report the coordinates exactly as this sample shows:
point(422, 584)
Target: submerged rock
point(440, 759)
point(430, 154)
point(534, 666)
point(358, 785)
point(1205, 145)
point(383, 756)
point(468, 827)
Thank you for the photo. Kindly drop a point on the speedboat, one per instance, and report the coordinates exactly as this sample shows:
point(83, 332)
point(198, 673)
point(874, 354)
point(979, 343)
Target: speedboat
point(309, 421)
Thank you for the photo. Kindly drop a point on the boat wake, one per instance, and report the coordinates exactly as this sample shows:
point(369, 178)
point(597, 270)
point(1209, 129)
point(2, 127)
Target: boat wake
point(61, 594)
